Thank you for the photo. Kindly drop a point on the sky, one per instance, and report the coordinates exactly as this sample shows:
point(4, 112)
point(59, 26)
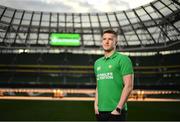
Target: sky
point(74, 6)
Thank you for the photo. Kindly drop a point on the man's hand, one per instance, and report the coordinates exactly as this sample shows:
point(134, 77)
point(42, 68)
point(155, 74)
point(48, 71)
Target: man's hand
point(115, 112)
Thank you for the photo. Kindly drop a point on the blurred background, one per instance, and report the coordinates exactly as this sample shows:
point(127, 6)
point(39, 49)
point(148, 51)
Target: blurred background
point(48, 49)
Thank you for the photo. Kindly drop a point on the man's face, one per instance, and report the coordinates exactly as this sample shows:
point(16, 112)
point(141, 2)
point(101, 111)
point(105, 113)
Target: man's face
point(109, 42)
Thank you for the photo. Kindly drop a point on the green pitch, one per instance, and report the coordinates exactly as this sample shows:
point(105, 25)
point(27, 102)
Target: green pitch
point(29, 110)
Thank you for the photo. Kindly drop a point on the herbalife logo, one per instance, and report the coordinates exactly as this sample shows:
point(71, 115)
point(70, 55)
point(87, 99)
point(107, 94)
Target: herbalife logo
point(105, 76)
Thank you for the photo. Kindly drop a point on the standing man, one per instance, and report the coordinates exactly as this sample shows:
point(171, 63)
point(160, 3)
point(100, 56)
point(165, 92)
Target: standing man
point(114, 75)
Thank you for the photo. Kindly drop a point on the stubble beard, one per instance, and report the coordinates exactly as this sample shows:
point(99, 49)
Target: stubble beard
point(109, 50)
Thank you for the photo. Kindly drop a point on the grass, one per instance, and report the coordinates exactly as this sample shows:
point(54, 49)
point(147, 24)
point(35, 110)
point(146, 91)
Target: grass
point(36, 110)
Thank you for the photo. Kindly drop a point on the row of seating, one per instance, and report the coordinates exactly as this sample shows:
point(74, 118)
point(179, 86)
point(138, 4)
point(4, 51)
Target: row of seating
point(83, 59)
point(148, 70)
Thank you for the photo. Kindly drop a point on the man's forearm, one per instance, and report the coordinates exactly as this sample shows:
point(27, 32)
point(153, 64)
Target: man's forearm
point(126, 91)
point(124, 97)
point(96, 103)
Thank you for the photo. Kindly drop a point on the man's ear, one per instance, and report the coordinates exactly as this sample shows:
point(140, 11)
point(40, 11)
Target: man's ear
point(116, 43)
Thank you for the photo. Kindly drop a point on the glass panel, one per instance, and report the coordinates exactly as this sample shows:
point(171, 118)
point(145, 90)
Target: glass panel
point(26, 18)
point(132, 17)
point(94, 21)
point(88, 40)
point(54, 20)
point(9, 13)
point(85, 21)
point(142, 14)
point(32, 38)
point(122, 19)
point(103, 20)
point(62, 20)
point(21, 38)
point(174, 8)
point(69, 21)
point(77, 21)
point(158, 5)
point(112, 20)
point(152, 12)
point(45, 19)
point(36, 19)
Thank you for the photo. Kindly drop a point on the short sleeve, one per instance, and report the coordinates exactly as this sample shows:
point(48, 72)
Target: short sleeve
point(126, 66)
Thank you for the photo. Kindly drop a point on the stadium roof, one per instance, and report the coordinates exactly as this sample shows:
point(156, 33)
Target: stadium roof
point(152, 27)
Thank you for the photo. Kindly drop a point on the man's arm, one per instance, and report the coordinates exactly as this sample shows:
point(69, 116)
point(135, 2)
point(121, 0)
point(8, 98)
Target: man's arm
point(96, 102)
point(128, 87)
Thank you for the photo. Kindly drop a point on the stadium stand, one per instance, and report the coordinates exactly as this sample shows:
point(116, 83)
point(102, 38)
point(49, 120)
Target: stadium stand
point(149, 34)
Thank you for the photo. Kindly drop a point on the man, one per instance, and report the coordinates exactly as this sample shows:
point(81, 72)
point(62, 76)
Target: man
point(114, 75)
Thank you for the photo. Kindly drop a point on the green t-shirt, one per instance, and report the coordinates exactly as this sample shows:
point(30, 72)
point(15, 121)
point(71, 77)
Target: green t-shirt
point(109, 75)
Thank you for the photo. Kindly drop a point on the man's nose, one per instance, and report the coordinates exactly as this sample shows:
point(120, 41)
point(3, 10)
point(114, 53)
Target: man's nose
point(106, 41)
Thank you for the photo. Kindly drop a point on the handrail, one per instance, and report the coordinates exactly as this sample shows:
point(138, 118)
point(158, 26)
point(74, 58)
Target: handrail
point(79, 66)
point(46, 66)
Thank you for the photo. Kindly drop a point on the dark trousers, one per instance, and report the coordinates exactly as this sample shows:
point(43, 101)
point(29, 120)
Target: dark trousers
point(107, 116)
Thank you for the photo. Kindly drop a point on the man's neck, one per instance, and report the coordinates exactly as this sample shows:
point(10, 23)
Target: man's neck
point(108, 53)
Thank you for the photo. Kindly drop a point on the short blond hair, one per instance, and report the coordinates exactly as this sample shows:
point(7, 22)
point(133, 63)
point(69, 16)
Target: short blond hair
point(111, 31)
